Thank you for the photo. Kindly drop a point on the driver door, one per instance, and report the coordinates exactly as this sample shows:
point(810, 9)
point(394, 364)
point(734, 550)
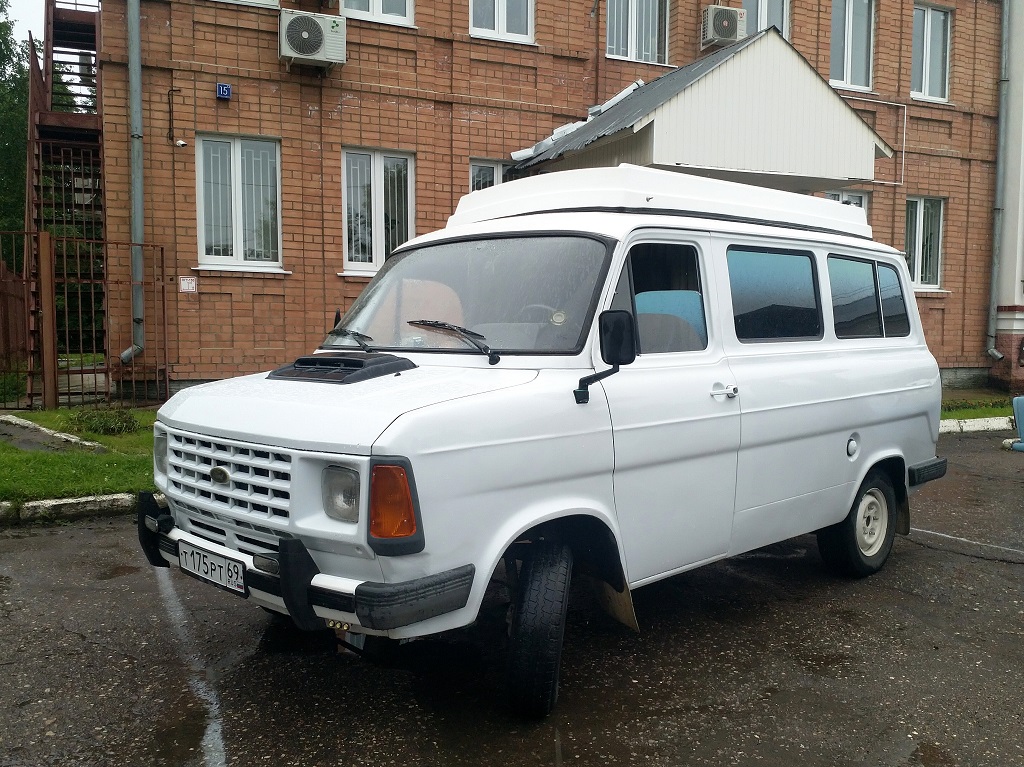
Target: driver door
point(674, 413)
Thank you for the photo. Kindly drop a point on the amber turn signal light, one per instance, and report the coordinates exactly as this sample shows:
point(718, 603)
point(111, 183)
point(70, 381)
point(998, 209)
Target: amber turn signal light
point(391, 508)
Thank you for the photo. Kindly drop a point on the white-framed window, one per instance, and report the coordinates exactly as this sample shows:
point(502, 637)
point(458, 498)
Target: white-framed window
point(853, 23)
point(238, 182)
point(386, 11)
point(860, 199)
point(762, 14)
point(485, 173)
point(924, 240)
point(929, 73)
point(638, 30)
point(379, 205)
point(510, 20)
point(255, 3)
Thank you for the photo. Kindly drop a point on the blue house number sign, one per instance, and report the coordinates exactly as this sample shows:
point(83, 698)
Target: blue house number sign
point(224, 91)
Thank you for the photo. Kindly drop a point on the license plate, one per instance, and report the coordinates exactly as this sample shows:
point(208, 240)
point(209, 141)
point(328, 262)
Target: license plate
point(224, 572)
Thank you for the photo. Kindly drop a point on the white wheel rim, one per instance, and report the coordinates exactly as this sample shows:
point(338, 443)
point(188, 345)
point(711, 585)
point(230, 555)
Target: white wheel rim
point(872, 522)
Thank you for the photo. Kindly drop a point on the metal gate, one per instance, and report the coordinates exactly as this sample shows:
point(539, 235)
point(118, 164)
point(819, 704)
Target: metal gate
point(15, 321)
point(66, 327)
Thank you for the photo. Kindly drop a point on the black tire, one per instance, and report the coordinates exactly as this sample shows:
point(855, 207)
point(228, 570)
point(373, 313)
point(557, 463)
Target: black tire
point(538, 626)
point(860, 545)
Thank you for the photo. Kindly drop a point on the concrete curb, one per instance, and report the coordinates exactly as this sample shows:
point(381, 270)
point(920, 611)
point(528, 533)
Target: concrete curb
point(71, 438)
point(953, 426)
point(67, 509)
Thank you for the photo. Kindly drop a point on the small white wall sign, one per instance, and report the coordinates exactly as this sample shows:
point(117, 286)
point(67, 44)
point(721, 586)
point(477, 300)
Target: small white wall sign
point(188, 284)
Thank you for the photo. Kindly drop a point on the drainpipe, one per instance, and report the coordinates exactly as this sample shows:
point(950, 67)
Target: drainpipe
point(137, 229)
point(997, 212)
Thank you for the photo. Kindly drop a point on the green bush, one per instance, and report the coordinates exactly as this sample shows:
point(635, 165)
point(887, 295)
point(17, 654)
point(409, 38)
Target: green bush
point(101, 421)
point(12, 386)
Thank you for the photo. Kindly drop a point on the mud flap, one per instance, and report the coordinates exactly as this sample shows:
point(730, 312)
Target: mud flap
point(618, 604)
point(903, 514)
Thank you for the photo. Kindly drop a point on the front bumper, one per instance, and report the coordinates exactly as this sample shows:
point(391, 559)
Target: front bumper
point(310, 597)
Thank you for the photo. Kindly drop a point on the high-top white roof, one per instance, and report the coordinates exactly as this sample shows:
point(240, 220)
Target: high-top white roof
point(632, 189)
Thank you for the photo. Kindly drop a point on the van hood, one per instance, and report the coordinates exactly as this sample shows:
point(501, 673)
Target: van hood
point(324, 417)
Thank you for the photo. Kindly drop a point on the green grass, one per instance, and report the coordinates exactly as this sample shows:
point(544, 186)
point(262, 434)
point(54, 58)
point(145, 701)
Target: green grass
point(996, 406)
point(137, 442)
point(988, 411)
point(39, 475)
point(80, 360)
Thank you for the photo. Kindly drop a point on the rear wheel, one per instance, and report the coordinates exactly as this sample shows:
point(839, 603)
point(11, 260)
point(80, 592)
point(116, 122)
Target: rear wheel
point(537, 629)
point(860, 545)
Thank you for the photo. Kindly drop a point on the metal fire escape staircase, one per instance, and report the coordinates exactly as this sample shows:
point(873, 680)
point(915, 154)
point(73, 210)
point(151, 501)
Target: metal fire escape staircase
point(64, 194)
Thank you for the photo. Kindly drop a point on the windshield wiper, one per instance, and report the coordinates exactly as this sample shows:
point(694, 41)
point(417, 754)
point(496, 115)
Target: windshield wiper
point(359, 338)
point(465, 333)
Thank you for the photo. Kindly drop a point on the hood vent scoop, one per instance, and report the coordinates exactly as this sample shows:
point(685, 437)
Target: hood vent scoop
point(343, 368)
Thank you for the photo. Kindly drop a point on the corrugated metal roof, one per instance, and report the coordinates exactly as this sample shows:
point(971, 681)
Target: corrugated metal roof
point(638, 104)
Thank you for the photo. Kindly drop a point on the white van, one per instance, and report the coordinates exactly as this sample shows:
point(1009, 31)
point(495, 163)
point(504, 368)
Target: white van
point(620, 372)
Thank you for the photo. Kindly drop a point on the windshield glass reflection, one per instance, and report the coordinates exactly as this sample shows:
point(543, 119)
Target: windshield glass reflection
point(513, 295)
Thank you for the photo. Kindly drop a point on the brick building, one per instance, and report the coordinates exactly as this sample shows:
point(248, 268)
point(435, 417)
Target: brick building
point(276, 202)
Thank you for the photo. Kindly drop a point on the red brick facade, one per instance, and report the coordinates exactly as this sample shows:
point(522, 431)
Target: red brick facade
point(441, 96)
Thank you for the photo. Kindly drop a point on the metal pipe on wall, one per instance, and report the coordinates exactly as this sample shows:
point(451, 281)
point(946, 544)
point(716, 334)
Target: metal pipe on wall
point(136, 191)
point(997, 211)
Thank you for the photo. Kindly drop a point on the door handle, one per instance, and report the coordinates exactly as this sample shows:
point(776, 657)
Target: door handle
point(731, 391)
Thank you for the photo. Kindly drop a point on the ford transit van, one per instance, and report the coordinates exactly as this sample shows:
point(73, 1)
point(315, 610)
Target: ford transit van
point(622, 372)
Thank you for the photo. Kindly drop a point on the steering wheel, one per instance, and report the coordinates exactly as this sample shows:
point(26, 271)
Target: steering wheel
point(548, 310)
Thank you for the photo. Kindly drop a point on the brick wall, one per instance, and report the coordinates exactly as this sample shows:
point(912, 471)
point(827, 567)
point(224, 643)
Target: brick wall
point(437, 93)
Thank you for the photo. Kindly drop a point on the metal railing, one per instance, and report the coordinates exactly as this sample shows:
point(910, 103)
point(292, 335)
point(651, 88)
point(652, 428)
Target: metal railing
point(64, 318)
point(73, 83)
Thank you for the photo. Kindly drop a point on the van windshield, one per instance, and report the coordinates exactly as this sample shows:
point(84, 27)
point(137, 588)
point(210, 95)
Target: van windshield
point(523, 295)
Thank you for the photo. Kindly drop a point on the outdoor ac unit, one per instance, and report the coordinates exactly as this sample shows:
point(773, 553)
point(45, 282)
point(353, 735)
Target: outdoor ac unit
point(315, 39)
point(721, 25)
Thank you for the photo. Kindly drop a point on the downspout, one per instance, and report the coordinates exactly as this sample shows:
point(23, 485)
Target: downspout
point(135, 168)
point(997, 211)
point(598, 54)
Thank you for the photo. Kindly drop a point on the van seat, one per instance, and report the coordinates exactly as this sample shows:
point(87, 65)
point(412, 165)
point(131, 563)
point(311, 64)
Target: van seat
point(687, 305)
point(667, 333)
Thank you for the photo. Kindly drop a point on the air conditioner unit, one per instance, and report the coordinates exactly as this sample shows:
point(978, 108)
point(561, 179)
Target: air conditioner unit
point(721, 25)
point(314, 39)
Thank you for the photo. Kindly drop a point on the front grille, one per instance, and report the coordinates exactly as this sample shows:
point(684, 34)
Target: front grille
point(258, 479)
point(238, 534)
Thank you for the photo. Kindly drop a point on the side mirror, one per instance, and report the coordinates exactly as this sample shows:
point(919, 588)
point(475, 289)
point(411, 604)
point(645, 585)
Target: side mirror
point(617, 331)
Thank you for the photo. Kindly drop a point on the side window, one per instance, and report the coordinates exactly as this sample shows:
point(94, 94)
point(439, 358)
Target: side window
point(894, 308)
point(510, 20)
point(774, 295)
point(668, 297)
point(867, 299)
point(854, 298)
point(385, 11)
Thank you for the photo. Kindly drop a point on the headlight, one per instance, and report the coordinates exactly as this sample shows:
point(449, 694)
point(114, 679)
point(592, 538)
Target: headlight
point(160, 451)
point(340, 488)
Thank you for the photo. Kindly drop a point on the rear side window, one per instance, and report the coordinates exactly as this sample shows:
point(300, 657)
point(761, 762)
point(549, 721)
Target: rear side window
point(774, 295)
point(894, 308)
point(867, 300)
point(854, 298)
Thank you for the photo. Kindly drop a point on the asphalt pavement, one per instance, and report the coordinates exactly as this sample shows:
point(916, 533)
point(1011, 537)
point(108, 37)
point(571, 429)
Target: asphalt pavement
point(763, 659)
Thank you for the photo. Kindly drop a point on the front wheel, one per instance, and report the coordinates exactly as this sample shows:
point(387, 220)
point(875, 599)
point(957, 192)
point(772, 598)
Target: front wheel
point(538, 626)
point(860, 545)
